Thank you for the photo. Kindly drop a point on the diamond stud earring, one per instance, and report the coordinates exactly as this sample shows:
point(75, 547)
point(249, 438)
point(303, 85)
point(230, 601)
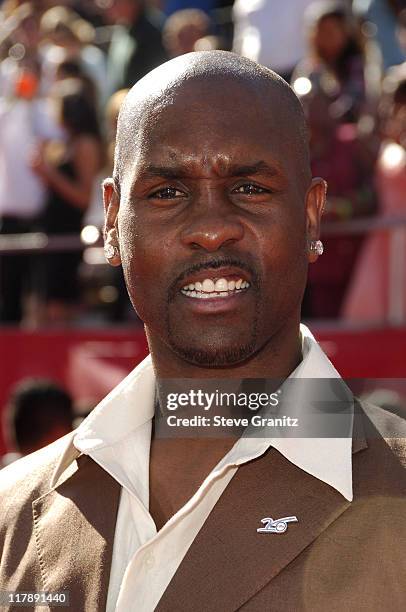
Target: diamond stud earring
point(316, 246)
point(110, 251)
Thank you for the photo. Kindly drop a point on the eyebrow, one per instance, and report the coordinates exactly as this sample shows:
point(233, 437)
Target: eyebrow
point(233, 170)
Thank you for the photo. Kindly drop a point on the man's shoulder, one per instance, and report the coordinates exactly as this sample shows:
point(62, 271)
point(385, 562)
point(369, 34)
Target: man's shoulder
point(29, 477)
point(388, 425)
point(379, 469)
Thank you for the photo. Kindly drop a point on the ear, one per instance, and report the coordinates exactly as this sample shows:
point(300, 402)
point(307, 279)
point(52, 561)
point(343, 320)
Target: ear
point(315, 202)
point(111, 203)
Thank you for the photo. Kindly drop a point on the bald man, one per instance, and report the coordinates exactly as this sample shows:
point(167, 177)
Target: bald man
point(214, 216)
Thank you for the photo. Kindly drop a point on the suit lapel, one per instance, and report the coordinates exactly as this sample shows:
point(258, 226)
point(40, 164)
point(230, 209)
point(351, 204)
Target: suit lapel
point(229, 561)
point(74, 528)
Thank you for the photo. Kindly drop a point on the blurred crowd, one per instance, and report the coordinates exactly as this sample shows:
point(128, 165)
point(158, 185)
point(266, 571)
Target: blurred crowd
point(65, 68)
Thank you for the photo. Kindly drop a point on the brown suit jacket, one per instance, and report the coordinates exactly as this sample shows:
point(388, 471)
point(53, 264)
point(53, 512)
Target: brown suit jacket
point(340, 556)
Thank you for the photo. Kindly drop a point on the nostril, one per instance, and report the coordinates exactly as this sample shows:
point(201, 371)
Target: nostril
point(195, 245)
point(229, 241)
point(214, 237)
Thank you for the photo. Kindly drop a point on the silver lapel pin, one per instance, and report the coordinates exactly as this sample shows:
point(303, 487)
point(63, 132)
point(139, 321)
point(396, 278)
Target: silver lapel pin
point(277, 525)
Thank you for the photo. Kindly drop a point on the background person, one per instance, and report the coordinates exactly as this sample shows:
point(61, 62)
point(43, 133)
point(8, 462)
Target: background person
point(369, 298)
point(385, 20)
point(26, 123)
point(72, 69)
point(136, 44)
point(66, 37)
point(337, 103)
point(19, 48)
point(270, 33)
point(340, 62)
point(183, 29)
point(38, 412)
point(70, 186)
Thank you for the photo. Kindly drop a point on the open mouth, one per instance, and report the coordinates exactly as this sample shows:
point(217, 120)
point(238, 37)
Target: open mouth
point(214, 288)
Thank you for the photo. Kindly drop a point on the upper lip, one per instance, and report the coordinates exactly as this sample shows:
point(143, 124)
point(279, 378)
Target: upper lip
point(215, 273)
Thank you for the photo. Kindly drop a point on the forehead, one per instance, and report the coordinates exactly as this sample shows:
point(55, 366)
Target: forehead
point(204, 123)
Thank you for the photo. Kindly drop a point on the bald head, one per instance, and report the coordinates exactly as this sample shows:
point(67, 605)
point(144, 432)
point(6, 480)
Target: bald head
point(212, 81)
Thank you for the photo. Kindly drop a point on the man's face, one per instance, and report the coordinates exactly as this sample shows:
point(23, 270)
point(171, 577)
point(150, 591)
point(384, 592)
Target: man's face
point(212, 226)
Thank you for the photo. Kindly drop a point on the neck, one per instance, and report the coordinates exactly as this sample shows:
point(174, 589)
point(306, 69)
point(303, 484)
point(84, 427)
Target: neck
point(276, 359)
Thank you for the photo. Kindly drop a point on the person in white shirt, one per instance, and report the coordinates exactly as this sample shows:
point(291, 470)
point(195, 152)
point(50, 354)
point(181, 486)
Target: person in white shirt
point(214, 216)
point(27, 122)
point(271, 33)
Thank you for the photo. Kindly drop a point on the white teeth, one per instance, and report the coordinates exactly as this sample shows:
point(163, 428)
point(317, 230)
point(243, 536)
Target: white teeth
point(210, 289)
point(208, 285)
point(221, 285)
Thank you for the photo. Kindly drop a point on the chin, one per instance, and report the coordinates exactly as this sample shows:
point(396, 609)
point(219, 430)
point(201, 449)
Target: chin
point(215, 357)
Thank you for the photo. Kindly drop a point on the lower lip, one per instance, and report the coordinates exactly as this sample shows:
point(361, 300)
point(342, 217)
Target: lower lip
point(216, 305)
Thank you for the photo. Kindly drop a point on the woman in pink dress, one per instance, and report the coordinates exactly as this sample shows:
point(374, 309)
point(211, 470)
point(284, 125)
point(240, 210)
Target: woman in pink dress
point(377, 292)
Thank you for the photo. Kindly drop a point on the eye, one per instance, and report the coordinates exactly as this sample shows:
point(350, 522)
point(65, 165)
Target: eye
point(250, 189)
point(167, 193)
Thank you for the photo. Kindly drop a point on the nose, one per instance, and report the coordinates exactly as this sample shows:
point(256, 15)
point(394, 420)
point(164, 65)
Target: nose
point(212, 229)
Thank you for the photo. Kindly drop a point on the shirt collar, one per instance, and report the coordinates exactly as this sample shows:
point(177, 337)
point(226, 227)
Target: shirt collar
point(131, 404)
point(327, 459)
point(121, 412)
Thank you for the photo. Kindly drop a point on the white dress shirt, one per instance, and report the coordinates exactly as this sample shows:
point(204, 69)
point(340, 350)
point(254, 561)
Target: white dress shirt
point(117, 435)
